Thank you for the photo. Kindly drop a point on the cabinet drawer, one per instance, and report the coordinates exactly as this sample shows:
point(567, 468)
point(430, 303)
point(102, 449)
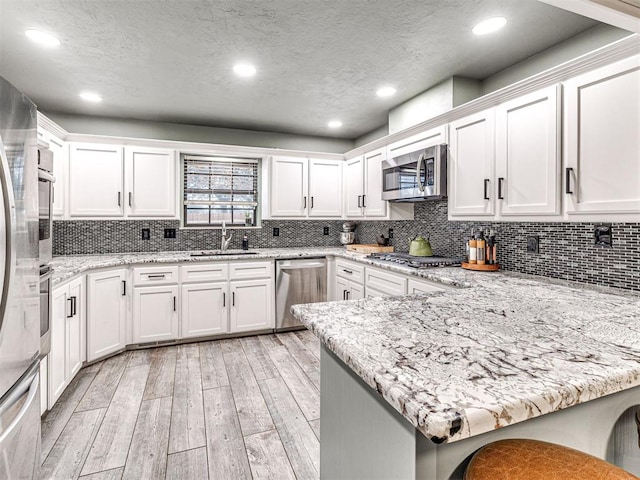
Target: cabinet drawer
point(420, 286)
point(386, 282)
point(350, 270)
point(242, 270)
point(211, 272)
point(155, 275)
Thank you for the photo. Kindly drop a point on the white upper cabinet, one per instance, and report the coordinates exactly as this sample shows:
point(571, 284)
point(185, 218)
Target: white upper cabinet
point(372, 201)
point(150, 182)
point(353, 186)
point(363, 185)
point(112, 181)
point(289, 187)
point(471, 165)
point(602, 140)
point(95, 181)
point(434, 136)
point(60, 153)
point(528, 154)
point(325, 188)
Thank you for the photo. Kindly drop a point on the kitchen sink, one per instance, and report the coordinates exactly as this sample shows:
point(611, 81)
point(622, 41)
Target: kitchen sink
point(217, 254)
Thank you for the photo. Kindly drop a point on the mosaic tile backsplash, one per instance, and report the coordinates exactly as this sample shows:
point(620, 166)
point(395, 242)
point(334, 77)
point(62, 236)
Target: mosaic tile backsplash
point(567, 250)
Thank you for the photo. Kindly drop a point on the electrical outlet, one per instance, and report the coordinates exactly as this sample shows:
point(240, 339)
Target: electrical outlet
point(391, 233)
point(325, 231)
point(146, 234)
point(603, 237)
point(276, 232)
point(533, 245)
point(169, 233)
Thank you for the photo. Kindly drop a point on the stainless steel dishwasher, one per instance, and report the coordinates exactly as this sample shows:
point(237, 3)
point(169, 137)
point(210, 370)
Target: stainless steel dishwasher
point(298, 281)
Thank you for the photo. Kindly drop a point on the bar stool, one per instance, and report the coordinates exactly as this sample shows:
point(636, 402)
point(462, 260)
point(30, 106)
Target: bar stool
point(520, 459)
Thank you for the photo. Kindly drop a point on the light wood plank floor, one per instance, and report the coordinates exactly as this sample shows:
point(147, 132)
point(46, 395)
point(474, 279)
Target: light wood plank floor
point(226, 409)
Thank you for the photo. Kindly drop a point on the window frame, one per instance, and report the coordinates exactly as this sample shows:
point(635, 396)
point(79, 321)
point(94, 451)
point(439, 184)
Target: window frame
point(258, 161)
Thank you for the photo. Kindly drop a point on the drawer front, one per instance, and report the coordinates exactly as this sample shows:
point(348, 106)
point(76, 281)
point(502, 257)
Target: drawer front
point(383, 281)
point(248, 270)
point(420, 286)
point(155, 275)
point(372, 293)
point(350, 270)
point(211, 272)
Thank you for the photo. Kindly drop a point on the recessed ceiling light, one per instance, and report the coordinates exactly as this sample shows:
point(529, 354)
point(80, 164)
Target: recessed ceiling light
point(386, 91)
point(42, 38)
point(489, 25)
point(334, 124)
point(91, 97)
point(244, 70)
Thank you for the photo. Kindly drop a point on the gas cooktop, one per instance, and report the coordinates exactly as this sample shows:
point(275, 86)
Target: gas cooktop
point(416, 262)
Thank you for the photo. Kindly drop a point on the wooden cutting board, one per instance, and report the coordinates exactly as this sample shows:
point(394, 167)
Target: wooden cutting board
point(368, 248)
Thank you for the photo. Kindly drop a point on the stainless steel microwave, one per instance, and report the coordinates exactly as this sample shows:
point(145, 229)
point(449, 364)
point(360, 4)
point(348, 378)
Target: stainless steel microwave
point(416, 176)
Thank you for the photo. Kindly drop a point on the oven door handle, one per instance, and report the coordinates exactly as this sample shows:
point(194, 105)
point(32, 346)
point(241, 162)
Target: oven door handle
point(47, 275)
point(46, 176)
point(421, 160)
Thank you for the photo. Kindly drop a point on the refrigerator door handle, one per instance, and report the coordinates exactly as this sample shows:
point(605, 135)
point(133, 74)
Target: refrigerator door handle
point(8, 231)
point(30, 384)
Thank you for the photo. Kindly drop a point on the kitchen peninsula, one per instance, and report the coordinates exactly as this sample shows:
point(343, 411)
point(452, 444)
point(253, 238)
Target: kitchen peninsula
point(412, 386)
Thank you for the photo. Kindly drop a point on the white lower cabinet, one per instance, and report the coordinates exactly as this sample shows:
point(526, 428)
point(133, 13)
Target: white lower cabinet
point(348, 289)
point(106, 313)
point(204, 309)
point(251, 305)
point(417, 287)
point(67, 338)
point(155, 313)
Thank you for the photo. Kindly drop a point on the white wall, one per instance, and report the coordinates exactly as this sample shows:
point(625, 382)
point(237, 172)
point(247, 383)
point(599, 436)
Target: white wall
point(120, 127)
point(583, 43)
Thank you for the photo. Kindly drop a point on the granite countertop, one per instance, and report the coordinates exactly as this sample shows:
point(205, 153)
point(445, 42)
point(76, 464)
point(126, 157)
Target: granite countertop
point(466, 361)
point(66, 267)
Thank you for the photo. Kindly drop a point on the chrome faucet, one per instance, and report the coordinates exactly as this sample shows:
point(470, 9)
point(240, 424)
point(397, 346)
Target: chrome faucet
point(224, 244)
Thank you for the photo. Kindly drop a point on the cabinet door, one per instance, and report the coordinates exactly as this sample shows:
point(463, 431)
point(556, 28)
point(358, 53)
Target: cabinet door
point(155, 313)
point(602, 121)
point(289, 187)
point(342, 288)
point(60, 154)
point(204, 309)
point(76, 347)
point(106, 313)
point(251, 305)
point(95, 181)
point(471, 186)
point(356, 291)
point(372, 201)
point(150, 182)
point(61, 309)
point(325, 188)
point(528, 154)
point(354, 186)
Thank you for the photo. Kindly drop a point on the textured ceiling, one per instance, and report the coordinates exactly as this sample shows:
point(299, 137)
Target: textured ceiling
point(171, 60)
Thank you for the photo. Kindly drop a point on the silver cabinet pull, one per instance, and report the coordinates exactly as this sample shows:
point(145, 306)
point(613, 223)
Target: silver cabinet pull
point(130, 199)
point(359, 201)
point(159, 275)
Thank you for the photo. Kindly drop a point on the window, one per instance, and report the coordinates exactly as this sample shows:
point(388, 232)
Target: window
point(218, 189)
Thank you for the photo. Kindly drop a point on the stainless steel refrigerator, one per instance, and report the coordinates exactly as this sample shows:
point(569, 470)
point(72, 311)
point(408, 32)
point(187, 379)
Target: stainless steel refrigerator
point(19, 284)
